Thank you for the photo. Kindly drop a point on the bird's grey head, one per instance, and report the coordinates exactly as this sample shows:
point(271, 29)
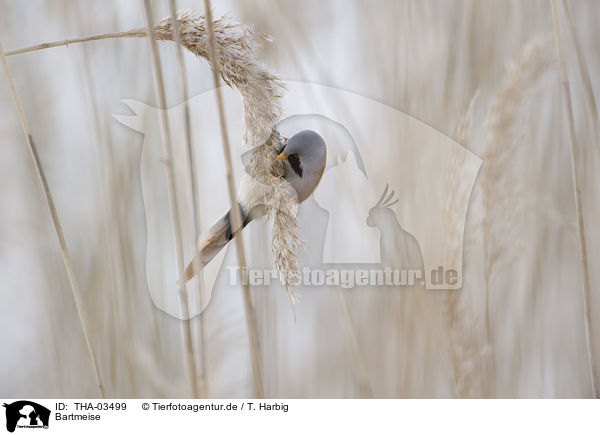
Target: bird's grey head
point(305, 151)
point(305, 156)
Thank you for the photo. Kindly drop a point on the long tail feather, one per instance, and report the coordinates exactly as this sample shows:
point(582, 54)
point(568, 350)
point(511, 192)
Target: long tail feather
point(217, 238)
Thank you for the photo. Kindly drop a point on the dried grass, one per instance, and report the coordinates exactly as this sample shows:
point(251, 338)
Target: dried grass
point(238, 66)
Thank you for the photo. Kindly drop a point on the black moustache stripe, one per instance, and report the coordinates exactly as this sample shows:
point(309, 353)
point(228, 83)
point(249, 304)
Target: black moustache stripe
point(295, 164)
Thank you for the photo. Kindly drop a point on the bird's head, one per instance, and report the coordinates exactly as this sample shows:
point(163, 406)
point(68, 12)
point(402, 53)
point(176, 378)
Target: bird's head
point(305, 152)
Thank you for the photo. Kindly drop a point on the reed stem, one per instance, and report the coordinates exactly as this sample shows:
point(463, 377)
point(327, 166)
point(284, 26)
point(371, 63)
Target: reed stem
point(585, 75)
point(564, 80)
point(183, 88)
point(67, 42)
point(170, 178)
point(64, 252)
point(235, 212)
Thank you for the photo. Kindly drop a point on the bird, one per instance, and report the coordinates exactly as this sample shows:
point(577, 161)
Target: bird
point(304, 156)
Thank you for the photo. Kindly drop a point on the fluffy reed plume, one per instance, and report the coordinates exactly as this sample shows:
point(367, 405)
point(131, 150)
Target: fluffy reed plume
point(502, 139)
point(238, 65)
point(462, 346)
point(501, 143)
point(286, 244)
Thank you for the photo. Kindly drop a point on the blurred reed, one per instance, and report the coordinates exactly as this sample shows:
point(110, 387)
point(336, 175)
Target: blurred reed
point(236, 218)
point(577, 199)
point(64, 251)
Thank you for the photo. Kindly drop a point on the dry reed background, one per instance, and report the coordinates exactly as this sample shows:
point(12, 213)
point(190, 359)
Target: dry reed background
point(516, 329)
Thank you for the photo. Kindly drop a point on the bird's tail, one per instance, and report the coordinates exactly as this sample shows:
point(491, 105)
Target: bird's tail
point(217, 238)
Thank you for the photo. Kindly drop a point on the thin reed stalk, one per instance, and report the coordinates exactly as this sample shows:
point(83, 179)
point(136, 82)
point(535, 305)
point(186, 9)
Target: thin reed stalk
point(182, 78)
point(585, 74)
point(577, 196)
point(235, 211)
point(43, 46)
point(170, 178)
point(64, 252)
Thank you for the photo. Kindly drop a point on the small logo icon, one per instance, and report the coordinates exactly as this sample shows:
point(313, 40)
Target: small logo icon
point(26, 414)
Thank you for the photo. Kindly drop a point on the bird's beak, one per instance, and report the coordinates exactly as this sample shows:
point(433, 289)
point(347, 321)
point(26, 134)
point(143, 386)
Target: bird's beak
point(281, 157)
